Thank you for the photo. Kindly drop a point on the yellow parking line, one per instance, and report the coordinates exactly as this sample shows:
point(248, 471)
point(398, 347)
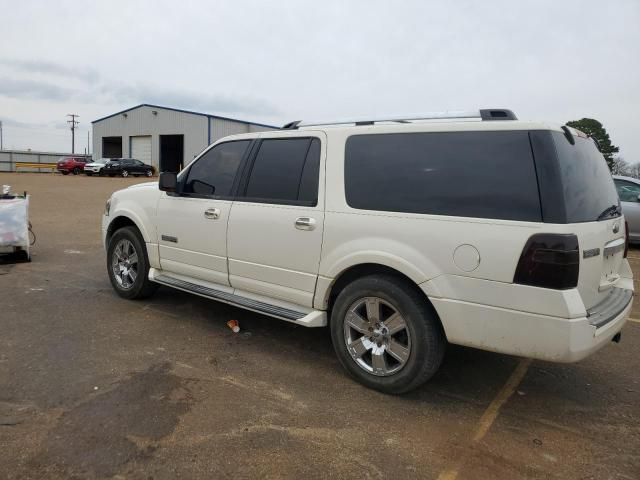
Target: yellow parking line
point(633, 320)
point(491, 413)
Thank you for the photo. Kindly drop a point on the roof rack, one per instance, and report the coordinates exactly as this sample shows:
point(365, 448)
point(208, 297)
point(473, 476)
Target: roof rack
point(482, 114)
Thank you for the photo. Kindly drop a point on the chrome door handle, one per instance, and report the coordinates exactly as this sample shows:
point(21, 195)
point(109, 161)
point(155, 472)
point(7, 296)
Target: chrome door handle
point(212, 213)
point(305, 223)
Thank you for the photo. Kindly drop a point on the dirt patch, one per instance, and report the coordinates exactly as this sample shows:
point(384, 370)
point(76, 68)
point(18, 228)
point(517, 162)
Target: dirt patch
point(98, 437)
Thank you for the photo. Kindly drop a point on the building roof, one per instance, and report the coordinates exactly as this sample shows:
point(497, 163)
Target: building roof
point(183, 111)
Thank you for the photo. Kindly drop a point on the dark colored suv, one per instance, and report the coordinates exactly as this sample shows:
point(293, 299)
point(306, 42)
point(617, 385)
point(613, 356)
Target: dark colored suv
point(73, 165)
point(126, 167)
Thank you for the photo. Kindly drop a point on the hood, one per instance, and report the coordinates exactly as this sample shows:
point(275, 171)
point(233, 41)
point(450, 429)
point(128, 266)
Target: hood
point(145, 185)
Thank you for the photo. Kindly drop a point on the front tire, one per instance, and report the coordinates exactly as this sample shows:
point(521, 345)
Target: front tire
point(386, 335)
point(125, 173)
point(88, 174)
point(128, 264)
point(149, 173)
point(76, 171)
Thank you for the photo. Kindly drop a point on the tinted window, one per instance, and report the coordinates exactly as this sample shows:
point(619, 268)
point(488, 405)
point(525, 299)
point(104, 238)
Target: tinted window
point(627, 191)
point(467, 174)
point(214, 172)
point(310, 174)
point(586, 181)
point(285, 171)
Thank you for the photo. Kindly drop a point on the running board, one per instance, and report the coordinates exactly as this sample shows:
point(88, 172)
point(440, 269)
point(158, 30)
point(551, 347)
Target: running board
point(315, 318)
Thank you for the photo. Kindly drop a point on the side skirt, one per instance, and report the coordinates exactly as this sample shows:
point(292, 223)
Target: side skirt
point(313, 318)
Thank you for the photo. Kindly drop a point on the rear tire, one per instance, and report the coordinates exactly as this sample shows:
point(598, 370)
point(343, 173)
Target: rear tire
point(64, 173)
point(386, 335)
point(128, 264)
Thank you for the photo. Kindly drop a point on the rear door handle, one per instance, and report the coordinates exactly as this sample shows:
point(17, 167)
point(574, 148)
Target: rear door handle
point(305, 223)
point(212, 213)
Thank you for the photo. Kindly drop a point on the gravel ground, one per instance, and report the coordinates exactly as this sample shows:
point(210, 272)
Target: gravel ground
point(93, 386)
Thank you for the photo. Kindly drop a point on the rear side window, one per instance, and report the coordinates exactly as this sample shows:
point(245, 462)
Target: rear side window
point(465, 174)
point(213, 173)
point(286, 171)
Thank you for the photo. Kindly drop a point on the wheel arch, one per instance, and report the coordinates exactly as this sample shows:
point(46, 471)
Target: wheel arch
point(354, 272)
point(121, 221)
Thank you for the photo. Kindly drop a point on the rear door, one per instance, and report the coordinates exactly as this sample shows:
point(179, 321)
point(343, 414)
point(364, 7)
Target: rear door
point(277, 219)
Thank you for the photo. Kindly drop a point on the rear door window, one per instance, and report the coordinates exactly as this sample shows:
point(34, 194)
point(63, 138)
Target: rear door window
point(465, 174)
point(285, 171)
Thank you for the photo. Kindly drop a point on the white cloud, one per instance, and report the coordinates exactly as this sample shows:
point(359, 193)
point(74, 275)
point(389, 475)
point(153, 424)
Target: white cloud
point(280, 61)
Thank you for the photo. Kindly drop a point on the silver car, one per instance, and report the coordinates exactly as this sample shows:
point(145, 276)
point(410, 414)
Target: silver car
point(629, 193)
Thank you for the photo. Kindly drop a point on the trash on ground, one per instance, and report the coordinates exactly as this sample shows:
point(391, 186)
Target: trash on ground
point(234, 325)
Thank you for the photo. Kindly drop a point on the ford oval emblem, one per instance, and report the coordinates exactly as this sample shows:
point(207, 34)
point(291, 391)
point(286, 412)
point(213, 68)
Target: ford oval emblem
point(616, 227)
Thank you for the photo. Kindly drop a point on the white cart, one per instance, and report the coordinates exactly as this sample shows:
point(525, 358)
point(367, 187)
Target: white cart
point(14, 224)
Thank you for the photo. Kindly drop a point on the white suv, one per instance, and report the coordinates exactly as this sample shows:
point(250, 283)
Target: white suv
point(401, 235)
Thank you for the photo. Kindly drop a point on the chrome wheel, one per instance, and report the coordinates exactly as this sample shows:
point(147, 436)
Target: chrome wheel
point(125, 173)
point(124, 264)
point(148, 173)
point(376, 336)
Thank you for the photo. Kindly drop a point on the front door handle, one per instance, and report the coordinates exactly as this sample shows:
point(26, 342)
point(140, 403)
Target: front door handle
point(212, 213)
point(305, 223)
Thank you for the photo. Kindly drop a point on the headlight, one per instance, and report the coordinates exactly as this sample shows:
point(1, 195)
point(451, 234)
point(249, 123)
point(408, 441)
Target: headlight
point(107, 207)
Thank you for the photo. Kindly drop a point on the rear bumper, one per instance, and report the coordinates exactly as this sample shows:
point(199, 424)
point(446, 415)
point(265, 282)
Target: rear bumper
point(530, 335)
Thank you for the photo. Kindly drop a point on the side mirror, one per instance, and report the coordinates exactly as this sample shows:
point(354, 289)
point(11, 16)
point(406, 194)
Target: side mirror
point(168, 182)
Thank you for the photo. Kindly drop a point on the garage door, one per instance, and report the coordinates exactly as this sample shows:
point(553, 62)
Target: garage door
point(141, 148)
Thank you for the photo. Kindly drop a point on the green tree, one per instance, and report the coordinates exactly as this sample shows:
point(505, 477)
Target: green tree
point(594, 129)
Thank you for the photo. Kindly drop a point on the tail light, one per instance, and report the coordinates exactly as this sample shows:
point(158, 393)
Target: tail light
point(549, 261)
point(626, 238)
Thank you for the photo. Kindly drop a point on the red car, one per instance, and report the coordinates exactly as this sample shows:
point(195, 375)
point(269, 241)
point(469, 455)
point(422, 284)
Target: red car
point(73, 165)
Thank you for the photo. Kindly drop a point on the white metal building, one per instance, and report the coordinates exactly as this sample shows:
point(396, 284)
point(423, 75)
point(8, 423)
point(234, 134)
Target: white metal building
point(167, 138)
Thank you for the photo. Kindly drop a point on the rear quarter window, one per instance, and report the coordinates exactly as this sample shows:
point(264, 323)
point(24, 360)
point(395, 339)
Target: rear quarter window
point(465, 174)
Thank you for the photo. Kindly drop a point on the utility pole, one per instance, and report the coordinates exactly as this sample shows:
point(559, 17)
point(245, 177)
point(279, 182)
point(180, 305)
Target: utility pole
point(73, 123)
point(1, 135)
point(88, 150)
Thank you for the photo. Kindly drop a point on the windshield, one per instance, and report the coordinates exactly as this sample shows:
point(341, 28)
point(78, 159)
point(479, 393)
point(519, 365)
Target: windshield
point(587, 185)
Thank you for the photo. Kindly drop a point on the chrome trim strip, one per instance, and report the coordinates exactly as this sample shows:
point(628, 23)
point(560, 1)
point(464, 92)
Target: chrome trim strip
point(614, 247)
point(261, 307)
point(593, 252)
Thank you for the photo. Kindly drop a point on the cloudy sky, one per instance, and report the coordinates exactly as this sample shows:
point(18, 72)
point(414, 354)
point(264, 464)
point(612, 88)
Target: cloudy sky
point(276, 61)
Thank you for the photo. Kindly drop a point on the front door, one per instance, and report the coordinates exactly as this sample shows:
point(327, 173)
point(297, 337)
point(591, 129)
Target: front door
point(192, 225)
point(277, 219)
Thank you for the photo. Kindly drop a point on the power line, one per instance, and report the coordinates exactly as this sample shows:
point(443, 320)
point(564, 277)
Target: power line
point(73, 123)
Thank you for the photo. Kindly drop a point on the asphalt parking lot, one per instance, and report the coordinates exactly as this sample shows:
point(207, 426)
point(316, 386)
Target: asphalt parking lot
point(93, 386)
